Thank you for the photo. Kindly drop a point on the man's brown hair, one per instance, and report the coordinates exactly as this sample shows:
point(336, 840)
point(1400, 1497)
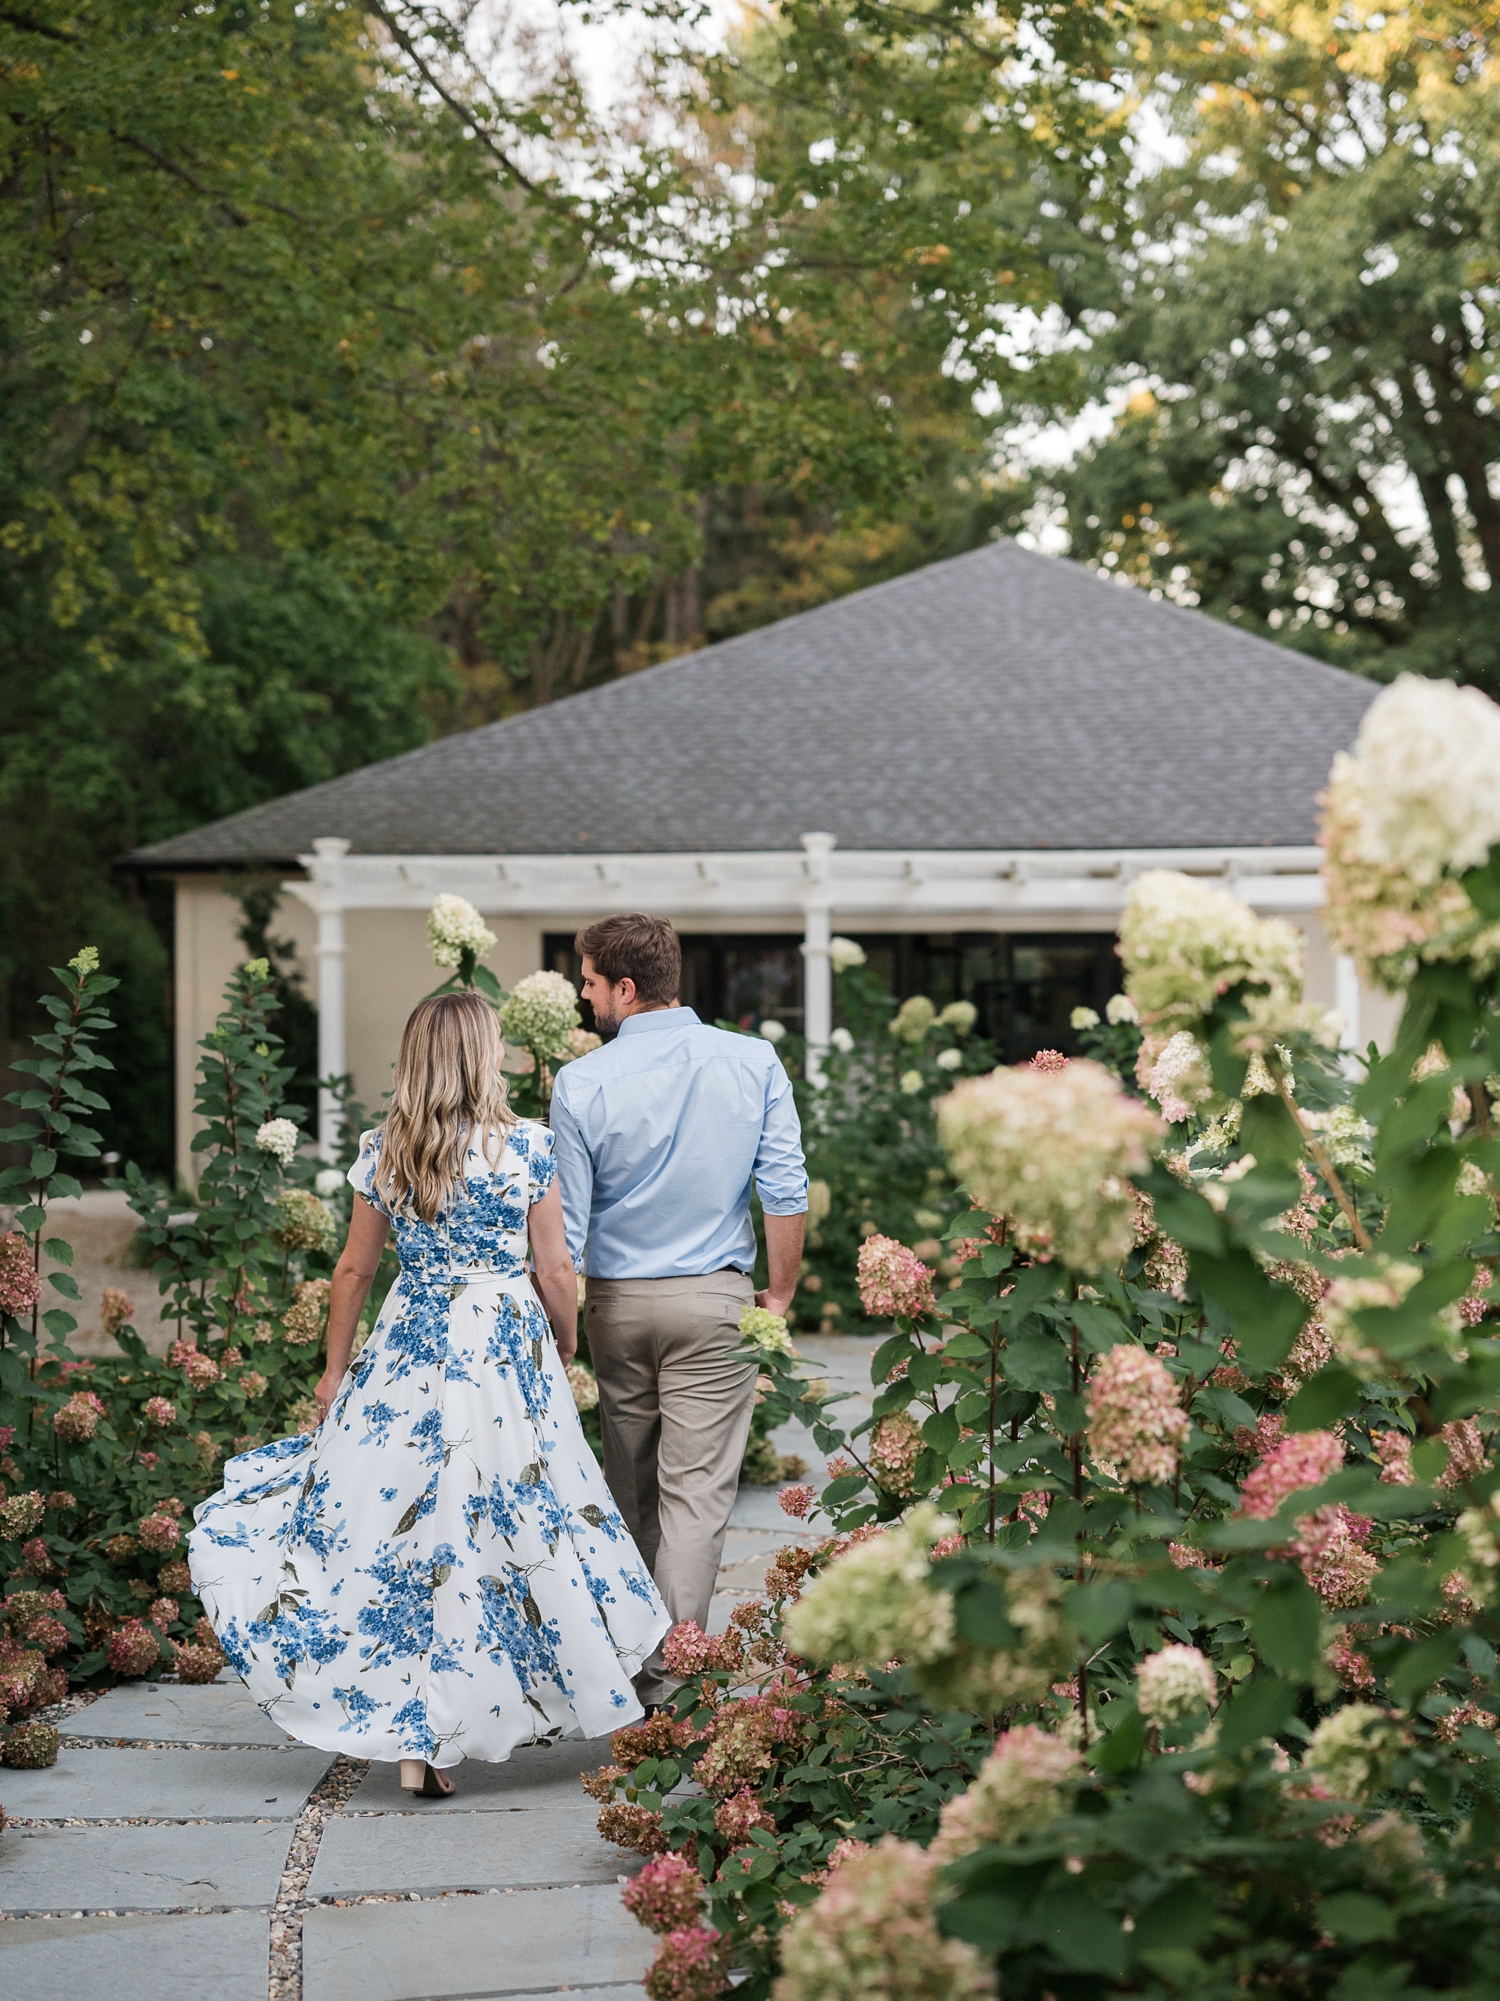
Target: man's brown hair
point(633, 946)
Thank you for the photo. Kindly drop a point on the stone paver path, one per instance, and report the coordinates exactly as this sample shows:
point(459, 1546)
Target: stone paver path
point(181, 1848)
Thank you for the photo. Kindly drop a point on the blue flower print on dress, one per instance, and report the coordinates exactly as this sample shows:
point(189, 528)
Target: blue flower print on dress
point(439, 1570)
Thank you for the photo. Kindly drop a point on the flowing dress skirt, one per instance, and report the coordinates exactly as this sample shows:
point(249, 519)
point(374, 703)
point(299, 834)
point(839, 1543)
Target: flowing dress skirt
point(438, 1571)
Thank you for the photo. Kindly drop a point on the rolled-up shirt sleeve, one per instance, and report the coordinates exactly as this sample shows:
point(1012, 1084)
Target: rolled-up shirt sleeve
point(575, 1176)
point(780, 1169)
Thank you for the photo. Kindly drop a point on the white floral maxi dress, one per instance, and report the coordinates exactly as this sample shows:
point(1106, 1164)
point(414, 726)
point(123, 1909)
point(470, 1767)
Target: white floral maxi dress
point(438, 1571)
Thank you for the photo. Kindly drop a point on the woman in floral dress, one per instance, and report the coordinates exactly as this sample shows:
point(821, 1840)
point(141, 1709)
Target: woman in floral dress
point(438, 1572)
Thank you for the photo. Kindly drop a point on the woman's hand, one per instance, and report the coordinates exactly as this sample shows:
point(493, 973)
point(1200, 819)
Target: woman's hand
point(567, 1344)
point(327, 1389)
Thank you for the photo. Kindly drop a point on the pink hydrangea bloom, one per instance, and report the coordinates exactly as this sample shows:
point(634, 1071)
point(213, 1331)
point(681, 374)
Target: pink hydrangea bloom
point(158, 1533)
point(737, 1817)
point(1306, 1459)
point(838, 1466)
point(1329, 1545)
point(688, 1650)
point(1268, 1431)
point(20, 1286)
point(133, 1649)
point(893, 1448)
point(796, 1501)
point(1393, 1450)
point(689, 1966)
point(1466, 1455)
point(116, 1309)
point(78, 1419)
point(160, 1410)
point(893, 1281)
point(1049, 1059)
point(200, 1369)
point(667, 1896)
point(1136, 1421)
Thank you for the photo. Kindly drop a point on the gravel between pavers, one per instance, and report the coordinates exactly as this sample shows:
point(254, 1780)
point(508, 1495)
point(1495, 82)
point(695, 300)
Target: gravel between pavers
point(332, 1791)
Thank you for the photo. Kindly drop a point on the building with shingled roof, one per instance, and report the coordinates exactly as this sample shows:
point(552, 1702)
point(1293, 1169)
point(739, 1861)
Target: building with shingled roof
point(962, 768)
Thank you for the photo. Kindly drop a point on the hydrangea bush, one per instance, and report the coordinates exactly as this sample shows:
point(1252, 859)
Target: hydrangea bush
point(1158, 1607)
point(102, 1459)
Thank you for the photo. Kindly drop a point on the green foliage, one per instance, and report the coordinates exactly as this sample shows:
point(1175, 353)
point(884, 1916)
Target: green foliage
point(1330, 1829)
point(96, 1496)
point(1299, 322)
point(873, 1154)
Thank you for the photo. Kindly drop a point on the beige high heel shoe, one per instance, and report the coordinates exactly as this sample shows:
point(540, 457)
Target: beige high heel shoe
point(420, 1778)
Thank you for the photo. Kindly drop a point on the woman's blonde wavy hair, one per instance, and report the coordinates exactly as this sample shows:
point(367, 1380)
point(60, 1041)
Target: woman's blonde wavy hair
point(448, 1089)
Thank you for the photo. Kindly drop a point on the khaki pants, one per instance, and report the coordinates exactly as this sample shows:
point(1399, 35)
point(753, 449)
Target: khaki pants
point(675, 1402)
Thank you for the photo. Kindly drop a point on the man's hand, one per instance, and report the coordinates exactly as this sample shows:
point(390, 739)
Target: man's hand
point(774, 1302)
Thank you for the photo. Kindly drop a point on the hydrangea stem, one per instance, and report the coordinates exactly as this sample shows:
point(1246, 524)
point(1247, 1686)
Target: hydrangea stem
point(1324, 1165)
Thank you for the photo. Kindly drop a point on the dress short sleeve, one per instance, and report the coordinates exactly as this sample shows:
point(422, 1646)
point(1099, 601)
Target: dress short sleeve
point(361, 1176)
point(541, 1167)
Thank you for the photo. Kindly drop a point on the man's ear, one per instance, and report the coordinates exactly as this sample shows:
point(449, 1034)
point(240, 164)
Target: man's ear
point(625, 989)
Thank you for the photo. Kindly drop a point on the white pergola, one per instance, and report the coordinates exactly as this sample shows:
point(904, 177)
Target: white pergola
point(816, 885)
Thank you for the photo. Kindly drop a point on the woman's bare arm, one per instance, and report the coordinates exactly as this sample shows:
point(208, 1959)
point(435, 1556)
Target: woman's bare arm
point(353, 1276)
point(553, 1274)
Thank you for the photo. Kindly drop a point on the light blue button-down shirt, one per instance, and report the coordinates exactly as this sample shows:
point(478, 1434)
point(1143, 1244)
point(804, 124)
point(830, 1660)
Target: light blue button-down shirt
point(659, 1135)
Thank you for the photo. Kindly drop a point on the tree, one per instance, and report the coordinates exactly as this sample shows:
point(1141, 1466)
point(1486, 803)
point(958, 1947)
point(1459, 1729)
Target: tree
point(1299, 328)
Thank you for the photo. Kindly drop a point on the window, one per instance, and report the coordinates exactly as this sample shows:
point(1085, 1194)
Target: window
point(1025, 985)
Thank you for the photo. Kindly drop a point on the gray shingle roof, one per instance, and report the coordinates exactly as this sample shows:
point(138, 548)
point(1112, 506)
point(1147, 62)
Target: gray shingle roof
point(1002, 699)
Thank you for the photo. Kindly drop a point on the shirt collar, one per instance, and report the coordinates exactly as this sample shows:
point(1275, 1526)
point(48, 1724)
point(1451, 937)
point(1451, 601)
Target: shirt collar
point(660, 1017)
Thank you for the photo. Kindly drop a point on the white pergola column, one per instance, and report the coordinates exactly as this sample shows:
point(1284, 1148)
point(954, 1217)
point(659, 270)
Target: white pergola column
point(1346, 998)
point(328, 902)
point(817, 974)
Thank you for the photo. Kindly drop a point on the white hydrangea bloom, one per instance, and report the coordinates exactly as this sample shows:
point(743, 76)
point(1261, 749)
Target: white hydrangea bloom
point(328, 1181)
point(911, 1082)
point(1118, 1008)
point(1349, 1747)
point(842, 1041)
point(278, 1136)
point(773, 1031)
point(1174, 1683)
point(454, 927)
point(541, 1013)
point(959, 1015)
point(1184, 943)
point(1428, 754)
point(1053, 1150)
point(1083, 1017)
point(950, 1059)
point(844, 954)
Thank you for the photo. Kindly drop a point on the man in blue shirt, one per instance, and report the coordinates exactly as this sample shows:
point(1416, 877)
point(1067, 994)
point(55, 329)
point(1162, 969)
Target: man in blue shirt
point(658, 1137)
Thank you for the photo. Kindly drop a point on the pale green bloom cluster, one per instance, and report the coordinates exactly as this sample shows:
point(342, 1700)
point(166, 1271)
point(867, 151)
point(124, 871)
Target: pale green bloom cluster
point(960, 1016)
point(876, 1602)
point(454, 927)
point(844, 954)
point(1019, 1789)
point(766, 1330)
point(85, 961)
point(1346, 1137)
point(1174, 1683)
point(1054, 1151)
point(913, 1019)
point(303, 1223)
point(872, 1936)
point(541, 1012)
point(1350, 1747)
point(1480, 1528)
point(1185, 943)
point(1384, 1282)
